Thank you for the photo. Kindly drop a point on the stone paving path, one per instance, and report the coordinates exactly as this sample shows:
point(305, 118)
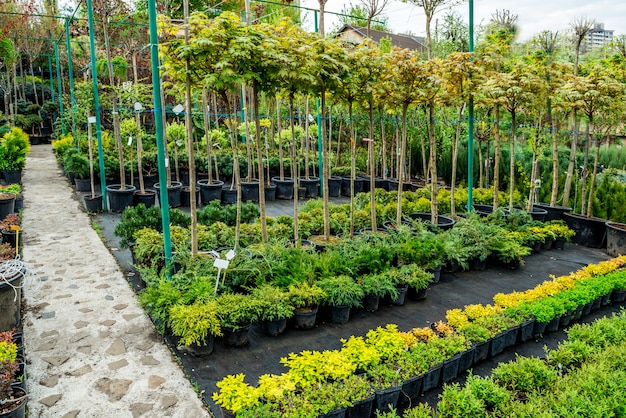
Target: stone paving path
point(90, 349)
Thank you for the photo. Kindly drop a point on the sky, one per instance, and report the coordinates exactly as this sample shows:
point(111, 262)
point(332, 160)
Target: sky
point(534, 16)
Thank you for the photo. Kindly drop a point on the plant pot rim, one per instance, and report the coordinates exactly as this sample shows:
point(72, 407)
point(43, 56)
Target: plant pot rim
point(7, 196)
point(117, 188)
point(616, 225)
point(205, 182)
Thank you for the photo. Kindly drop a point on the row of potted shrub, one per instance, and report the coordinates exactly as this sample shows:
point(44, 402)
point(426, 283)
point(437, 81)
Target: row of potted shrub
point(583, 376)
point(394, 362)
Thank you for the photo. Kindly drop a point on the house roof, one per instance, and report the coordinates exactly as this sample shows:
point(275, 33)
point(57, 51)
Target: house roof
point(356, 34)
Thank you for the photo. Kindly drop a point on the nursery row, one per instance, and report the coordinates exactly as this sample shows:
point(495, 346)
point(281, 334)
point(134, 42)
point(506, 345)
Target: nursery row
point(280, 281)
point(390, 368)
point(583, 377)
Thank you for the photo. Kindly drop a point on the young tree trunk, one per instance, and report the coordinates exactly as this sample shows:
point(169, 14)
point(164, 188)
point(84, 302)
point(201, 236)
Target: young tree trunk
point(325, 169)
point(496, 158)
point(455, 156)
point(383, 139)
point(207, 136)
point(401, 163)
point(281, 166)
point(593, 181)
point(434, 215)
point(583, 190)
point(555, 162)
point(512, 165)
point(296, 225)
point(572, 160)
point(116, 116)
point(232, 130)
point(142, 188)
point(370, 149)
point(259, 156)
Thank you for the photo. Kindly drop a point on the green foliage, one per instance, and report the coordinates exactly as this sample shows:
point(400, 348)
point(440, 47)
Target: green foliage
point(341, 291)
point(236, 310)
point(158, 298)
point(192, 323)
point(76, 163)
point(215, 212)
point(14, 147)
point(525, 374)
point(273, 302)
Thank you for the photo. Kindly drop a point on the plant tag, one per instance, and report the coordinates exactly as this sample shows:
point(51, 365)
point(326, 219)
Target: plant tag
point(167, 162)
point(138, 107)
point(178, 109)
point(230, 255)
point(221, 264)
point(130, 140)
point(91, 119)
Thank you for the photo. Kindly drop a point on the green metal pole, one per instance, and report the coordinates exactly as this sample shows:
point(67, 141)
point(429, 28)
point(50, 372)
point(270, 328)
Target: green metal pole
point(470, 119)
point(96, 103)
point(158, 126)
point(56, 57)
point(50, 74)
point(320, 163)
point(70, 71)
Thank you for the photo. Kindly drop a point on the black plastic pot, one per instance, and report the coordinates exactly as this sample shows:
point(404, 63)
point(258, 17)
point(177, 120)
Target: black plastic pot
point(10, 299)
point(387, 398)
point(93, 204)
point(380, 183)
point(334, 186)
point(173, 194)
point(185, 197)
point(210, 192)
point(146, 198)
point(443, 222)
point(120, 199)
point(361, 409)
point(481, 350)
point(555, 213)
point(250, 191)
point(270, 192)
point(236, 337)
point(82, 185)
point(229, 196)
point(486, 210)
point(7, 204)
point(432, 378)
point(370, 303)
point(340, 314)
point(615, 238)
point(304, 319)
point(284, 188)
point(11, 176)
point(311, 186)
point(274, 327)
point(590, 232)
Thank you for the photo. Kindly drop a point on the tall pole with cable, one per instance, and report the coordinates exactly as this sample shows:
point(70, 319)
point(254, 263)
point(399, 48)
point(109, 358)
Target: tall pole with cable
point(470, 118)
point(96, 102)
point(158, 126)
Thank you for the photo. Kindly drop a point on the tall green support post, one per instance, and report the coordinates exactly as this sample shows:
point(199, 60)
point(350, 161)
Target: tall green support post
point(96, 102)
point(56, 57)
point(158, 126)
point(470, 119)
point(70, 71)
point(52, 97)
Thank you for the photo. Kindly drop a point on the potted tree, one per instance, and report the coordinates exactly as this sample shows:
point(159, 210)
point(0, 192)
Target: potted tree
point(14, 147)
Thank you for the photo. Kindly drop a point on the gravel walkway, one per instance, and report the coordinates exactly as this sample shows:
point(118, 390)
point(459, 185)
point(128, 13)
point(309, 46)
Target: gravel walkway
point(90, 349)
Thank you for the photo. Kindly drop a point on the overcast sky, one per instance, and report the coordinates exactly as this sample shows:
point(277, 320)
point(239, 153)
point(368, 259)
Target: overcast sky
point(534, 16)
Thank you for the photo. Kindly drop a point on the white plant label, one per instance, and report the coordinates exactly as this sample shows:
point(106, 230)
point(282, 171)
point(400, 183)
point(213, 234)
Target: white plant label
point(91, 119)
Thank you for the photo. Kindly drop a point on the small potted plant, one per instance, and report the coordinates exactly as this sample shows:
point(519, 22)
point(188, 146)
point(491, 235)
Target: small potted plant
point(342, 293)
point(14, 147)
point(12, 396)
point(10, 229)
point(418, 280)
point(376, 286)
point(196, 325)
point(274, 308)
point(236, 313)
point(76, 166)
point(306, 298)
